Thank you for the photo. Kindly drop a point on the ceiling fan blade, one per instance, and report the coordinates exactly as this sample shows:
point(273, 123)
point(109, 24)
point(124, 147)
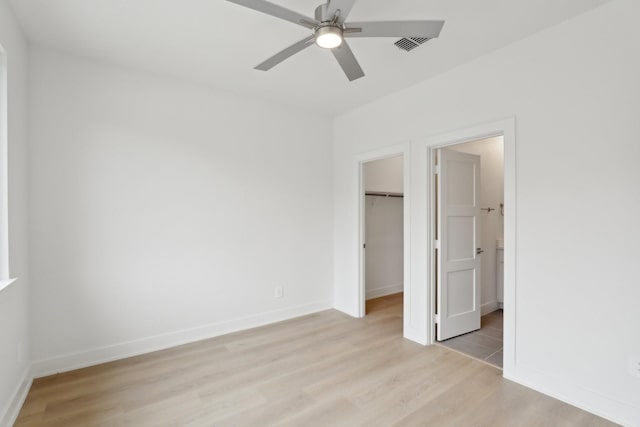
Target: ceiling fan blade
point(277, 11)
point(344, 6)
point(288, 52)
point(429, 29)
point(348, 61)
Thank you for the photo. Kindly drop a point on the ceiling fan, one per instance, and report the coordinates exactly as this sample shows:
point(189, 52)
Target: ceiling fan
point(330, 30)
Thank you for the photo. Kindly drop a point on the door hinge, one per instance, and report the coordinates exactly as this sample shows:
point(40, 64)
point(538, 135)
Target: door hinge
point(436, 169)
point(436, 244)
point(436, 319)
point(364, 246)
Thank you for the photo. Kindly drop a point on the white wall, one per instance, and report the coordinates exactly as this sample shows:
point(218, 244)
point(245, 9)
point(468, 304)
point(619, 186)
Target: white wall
point(575, 96)
point(384, 175)
point(384, 227)
point(491, 152)
point(14, 325)
point(163, 212)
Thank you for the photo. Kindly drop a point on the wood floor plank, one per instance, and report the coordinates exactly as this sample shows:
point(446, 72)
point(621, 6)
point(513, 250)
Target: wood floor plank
point(324, 369)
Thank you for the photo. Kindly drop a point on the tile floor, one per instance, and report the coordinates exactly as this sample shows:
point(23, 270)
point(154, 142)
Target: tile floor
point(485, 343)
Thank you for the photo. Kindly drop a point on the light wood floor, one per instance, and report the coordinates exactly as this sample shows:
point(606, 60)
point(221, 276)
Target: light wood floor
point(325, 369)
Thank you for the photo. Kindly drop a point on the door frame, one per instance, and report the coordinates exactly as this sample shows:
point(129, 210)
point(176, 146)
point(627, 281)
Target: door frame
point(396, 150)
point(507, 129)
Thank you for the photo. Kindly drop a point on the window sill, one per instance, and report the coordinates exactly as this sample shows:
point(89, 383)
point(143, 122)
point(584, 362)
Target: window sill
point(5, 283)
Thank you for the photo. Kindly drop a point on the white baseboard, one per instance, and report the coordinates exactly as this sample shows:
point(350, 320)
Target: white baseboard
point(415, 338)
point(489, 307)
point(384, 291)
point(589, 400)
point(10, 414)
point(123, 350)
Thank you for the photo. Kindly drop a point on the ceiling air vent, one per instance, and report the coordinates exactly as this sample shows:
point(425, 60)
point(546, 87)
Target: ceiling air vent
point(410, 43)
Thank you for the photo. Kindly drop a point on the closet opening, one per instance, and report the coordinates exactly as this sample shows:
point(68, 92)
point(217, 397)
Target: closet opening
point(382, 261)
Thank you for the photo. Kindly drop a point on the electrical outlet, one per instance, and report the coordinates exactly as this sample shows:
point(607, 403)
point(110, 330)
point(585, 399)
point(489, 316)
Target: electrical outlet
point(634, 366)
point(279, 292)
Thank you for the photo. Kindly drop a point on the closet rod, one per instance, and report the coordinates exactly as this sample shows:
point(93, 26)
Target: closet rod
point(374, 193)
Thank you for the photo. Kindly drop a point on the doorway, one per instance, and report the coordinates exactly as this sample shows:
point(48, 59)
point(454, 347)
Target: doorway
point(468, 223)
point(383, 243)
point(423, 164)
point(419, 320)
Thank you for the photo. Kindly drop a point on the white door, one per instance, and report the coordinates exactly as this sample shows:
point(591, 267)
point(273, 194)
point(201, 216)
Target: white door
point(458, 261)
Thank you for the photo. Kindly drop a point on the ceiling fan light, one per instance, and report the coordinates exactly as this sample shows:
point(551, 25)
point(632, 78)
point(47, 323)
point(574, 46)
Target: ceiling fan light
point(328, 37)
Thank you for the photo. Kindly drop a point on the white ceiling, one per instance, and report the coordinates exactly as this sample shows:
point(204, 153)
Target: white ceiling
point(218, 43)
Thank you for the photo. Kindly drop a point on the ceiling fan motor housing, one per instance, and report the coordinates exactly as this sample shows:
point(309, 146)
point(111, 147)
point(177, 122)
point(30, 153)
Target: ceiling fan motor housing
point(321, 12)
point(328, 34)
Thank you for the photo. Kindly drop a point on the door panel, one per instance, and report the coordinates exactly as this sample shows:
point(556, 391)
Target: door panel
point(461, 298)
point(460, 231)
point(458, 213)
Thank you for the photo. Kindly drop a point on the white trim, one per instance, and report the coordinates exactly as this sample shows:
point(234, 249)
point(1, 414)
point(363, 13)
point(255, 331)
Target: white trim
point(416, 338)
point(10, 413)
point(506, 128)
point(123, 350)
point(409, 299)
point(5, 283)
point(4, 169)
point(589, 400)
point(384, 291)
point(489, 307)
